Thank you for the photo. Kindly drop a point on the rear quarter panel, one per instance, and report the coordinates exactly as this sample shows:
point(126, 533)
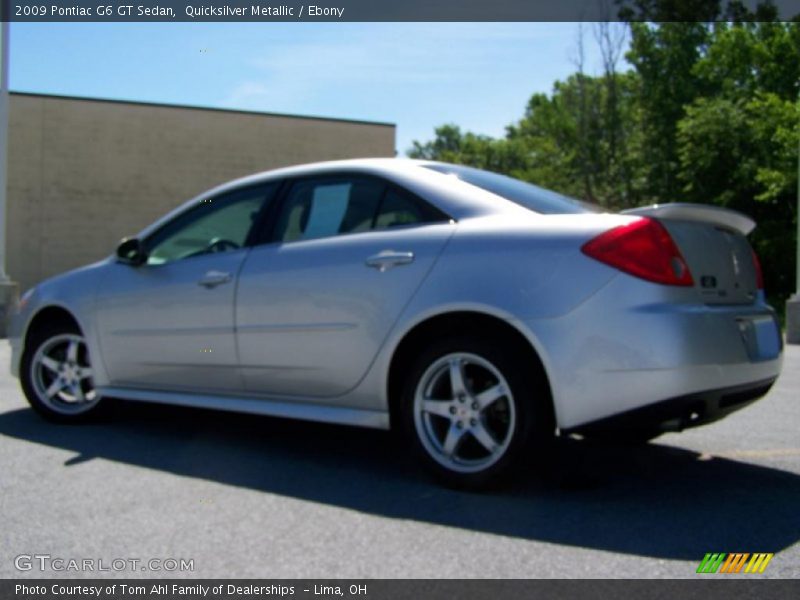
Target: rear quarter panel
point(520, 270)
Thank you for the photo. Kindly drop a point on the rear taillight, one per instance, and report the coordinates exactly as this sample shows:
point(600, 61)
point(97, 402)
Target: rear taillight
point(759, 272)
point(642, 248)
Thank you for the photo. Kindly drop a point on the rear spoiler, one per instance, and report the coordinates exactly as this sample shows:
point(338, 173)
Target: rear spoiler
point(703, 213)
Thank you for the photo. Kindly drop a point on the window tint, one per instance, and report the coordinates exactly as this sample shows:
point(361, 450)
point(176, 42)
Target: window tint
point(322, 208)
point(399, 209)
point(530, 196)
point(218, 224)
point(318, 208)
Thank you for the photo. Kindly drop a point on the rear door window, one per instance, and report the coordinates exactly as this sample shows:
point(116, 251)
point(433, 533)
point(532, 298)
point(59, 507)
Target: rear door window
point(327, 207)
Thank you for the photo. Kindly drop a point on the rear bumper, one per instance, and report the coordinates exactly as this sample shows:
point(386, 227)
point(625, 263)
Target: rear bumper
point(683, 412)
point(635, 345)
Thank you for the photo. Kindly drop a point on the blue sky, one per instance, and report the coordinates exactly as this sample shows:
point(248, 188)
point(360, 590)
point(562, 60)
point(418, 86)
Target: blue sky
point(417, 75)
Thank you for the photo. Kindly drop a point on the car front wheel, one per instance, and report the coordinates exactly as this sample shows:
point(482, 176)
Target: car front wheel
point(56, 375)
point(472, 410)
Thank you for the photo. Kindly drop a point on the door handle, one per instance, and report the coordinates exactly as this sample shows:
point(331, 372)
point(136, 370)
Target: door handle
point(214, 278)
point(389, 258)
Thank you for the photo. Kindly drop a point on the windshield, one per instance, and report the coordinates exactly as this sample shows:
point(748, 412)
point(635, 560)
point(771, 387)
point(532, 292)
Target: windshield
point(530, 196)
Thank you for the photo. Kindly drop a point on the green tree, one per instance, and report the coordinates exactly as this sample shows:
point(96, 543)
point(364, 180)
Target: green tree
point(664, 56)
point(583, 144)
point(451, 145)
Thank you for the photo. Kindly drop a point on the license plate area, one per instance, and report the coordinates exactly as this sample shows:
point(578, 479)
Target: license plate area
point(761, 336)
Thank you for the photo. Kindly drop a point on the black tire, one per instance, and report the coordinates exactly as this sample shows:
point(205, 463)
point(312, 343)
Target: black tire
point(522, 419)
point(58, 337)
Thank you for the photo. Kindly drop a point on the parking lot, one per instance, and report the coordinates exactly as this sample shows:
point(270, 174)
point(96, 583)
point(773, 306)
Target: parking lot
point(246, 496)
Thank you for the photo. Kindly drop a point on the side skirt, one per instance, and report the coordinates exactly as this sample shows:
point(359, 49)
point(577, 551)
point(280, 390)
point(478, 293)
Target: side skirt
point(292, 410)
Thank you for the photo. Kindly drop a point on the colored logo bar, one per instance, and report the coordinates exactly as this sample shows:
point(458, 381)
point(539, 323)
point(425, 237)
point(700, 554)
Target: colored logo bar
point(732, 563)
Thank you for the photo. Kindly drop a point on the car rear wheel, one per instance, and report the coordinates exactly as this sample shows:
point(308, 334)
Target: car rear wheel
point(472, 410)
point(56, 375)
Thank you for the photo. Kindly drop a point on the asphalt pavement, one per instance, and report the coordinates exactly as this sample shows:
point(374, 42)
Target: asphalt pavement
point(245, 496)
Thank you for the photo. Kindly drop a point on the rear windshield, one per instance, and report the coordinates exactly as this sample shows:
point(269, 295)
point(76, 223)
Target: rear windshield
point(528, 195)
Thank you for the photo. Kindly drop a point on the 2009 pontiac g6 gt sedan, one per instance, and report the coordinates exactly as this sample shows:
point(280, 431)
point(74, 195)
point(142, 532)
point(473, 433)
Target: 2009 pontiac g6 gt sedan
point(478, 314)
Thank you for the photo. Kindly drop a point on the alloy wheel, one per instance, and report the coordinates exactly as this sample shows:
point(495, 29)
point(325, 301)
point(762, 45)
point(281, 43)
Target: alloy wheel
point(464, 412)
point(62, 375)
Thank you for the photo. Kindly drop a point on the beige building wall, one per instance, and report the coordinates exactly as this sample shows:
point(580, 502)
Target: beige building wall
point(84, 173)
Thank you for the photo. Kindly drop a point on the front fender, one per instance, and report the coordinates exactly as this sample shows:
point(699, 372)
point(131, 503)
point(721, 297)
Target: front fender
point(73, 292)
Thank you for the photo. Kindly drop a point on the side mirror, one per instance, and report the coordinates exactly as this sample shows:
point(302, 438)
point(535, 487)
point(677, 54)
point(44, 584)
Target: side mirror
point(130, 252)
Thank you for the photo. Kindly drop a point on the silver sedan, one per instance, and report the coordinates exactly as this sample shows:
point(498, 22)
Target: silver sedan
point(479, 315)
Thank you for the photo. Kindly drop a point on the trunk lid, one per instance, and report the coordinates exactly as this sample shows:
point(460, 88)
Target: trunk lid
point(713, 242)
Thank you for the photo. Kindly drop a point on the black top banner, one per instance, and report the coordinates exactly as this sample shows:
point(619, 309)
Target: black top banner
point(392, 10)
